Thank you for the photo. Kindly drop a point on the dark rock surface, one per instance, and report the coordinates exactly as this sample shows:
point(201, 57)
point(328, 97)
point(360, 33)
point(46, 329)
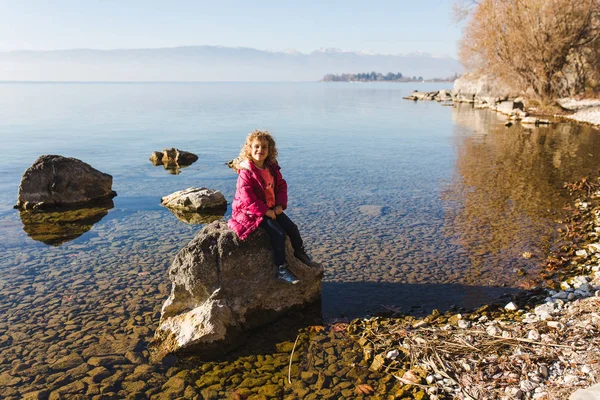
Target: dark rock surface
point(222, 286)
point(55, 181)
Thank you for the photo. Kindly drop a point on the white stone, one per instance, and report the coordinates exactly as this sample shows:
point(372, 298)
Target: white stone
point(528, 386)
point(581, 253)
point(462, 324)
point(430, 379)
point(544, 311)
point(555, 325)
point(510, 306)
point(594, 247)
point(586, 369)
point(591, 393)
point(533, 335)
point(492, 330)
point(571, 378)
point(529, 120)
point(392, 354)
point(565, 286)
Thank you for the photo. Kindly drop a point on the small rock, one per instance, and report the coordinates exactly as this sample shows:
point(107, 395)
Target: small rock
point(528, 386)
point(560, 295)
point(555, 325)
point(533, 335)
point(581, 253)
point(462, 324)
point(510, 306)
point(493, 330)
point(571, 379)
point(393, 354)
point(529, 120)
point(420, 324)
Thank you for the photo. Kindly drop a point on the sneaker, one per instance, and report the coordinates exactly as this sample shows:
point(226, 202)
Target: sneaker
point(302, 256)
point(284, 274)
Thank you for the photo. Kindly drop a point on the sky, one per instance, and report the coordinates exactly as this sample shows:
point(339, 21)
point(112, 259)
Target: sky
point(385, 27)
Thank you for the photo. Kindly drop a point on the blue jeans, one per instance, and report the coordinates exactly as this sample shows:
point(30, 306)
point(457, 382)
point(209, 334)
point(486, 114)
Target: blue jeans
point(277, 229)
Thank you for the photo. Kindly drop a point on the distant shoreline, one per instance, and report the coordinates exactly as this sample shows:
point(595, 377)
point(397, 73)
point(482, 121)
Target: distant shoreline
point(211, 82)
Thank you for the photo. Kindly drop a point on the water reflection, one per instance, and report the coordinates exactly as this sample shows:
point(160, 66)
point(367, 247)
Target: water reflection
point(58, 226)
point(197, 218)
point(507, 190)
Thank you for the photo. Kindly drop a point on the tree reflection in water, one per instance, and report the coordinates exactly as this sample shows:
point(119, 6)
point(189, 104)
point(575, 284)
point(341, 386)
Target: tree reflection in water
point(507, 191)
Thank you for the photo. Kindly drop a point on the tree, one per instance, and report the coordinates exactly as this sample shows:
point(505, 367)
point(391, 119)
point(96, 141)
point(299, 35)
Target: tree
point(547, 46)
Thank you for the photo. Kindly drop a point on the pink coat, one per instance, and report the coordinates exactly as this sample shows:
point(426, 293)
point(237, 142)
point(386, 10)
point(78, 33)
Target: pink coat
point(249, 203)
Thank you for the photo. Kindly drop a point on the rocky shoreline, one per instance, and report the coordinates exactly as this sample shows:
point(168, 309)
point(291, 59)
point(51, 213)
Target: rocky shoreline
point(543, 344)
point(486, 92)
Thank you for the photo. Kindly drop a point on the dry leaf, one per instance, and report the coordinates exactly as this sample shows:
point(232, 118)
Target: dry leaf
point(364, 389)
point(316, 328)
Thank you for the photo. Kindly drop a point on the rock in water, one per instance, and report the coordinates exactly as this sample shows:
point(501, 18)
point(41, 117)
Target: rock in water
point(222, 286)
point(54, 181)
point(195, 199)
point(173, 158)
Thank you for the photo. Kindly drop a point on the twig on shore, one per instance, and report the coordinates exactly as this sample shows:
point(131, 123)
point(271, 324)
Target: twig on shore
point(291, 358)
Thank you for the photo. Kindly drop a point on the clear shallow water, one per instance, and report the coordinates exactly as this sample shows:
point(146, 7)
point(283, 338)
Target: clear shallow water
point(392, 196)
point(408, 206)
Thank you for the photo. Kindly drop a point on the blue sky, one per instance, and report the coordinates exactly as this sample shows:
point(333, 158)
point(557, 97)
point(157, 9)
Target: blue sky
point(389, 27)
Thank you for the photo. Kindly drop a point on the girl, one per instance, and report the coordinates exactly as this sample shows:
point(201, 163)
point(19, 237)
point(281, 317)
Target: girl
point(261, 197)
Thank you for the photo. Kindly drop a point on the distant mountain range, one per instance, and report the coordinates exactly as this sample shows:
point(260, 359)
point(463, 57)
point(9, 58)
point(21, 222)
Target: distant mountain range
point(212, 63)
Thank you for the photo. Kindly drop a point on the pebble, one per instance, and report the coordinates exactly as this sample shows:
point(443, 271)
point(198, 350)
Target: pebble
point(555, 325)
point(462, 324)
point(533, 335)
point(510, 306)
point(570, 379)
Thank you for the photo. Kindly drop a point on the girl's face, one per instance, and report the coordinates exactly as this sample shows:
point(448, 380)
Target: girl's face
point(259, 151)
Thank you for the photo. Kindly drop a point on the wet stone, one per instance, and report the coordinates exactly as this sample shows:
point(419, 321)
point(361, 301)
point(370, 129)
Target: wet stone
point(68, 362)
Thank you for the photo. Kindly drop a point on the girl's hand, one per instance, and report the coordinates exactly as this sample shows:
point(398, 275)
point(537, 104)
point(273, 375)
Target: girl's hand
point(278, 210)
point(270, 214)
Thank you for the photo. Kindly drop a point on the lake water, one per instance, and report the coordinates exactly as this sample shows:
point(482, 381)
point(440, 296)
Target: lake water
point(409, 206)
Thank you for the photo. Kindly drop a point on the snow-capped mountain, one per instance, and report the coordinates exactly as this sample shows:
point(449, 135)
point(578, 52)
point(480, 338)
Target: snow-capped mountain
point(212, 63)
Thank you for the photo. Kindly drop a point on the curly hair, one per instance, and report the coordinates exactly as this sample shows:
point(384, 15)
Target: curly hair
point(245, 153)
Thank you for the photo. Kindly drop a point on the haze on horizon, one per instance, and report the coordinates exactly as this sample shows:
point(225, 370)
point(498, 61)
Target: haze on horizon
point(381, 28)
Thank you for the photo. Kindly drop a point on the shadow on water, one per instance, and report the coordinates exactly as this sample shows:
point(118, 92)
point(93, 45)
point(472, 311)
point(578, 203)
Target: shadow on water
point(58, 226)
point(356, 299)
point(351, 300)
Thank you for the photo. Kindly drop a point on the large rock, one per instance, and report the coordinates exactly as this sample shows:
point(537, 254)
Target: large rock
point(222, 286)
point(55, 181)
point(473, 88)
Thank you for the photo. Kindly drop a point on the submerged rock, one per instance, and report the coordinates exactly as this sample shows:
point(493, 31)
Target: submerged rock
point(55, 181)
point(222, 286)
